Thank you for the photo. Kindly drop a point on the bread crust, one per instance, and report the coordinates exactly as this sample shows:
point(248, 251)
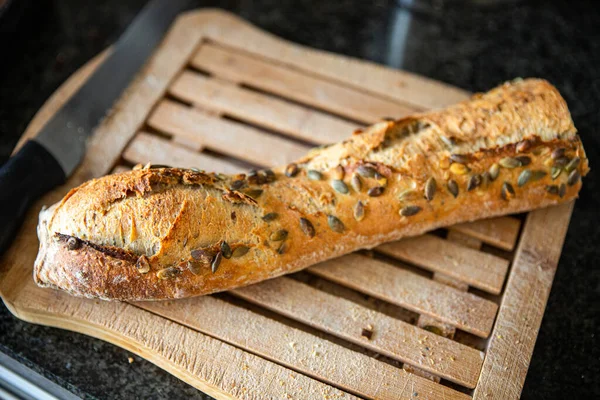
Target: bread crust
point(155, 233)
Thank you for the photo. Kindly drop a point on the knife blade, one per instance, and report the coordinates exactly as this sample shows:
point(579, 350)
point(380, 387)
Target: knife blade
point(47, 160)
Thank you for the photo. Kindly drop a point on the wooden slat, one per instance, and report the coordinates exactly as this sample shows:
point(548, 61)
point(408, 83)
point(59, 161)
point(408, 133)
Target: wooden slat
point(150, 148)
point(211, 365)
point(260, 109)
point(400, 85)
point(501, 232)
point(481, 270)
point(120, 168)
point(297, 349)
point(224, 136)
point(406, 289)
point(293, 84)
point(522, 308)
point(430, 323)
point(345, 319)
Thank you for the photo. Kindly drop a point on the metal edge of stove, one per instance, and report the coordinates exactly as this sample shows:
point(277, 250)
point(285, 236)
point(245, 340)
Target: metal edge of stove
point(17, 382)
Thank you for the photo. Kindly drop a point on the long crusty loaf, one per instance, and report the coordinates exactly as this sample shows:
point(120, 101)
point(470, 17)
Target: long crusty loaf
point(164, 233)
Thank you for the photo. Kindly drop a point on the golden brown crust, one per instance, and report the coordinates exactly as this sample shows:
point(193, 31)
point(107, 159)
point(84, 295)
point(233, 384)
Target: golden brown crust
point(171, 233)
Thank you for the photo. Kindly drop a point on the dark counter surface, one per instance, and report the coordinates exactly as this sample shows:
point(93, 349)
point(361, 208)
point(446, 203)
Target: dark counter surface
point(473, 47)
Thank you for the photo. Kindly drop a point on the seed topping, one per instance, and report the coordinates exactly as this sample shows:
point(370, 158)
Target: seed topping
point(73, 243)
point(193, 267)
point(282, 248)
point(562, 190)
point(366, 171)
point(409, 211)
point(430, 188)
point(356, 182)
point(339, 186)
point(335, 224)
point(203, 256)
point(510, 162)
point(573, 177)
point(555, 172)
point(453, 188)
point(216, 262)
point(523, 146)
point(507, 192)
point(270, 217)
point(142, 265)
point(359, 211)
point(459, 158)
point(291, 170)
point(473, 182)
point(307, 227)
point(279, 235)
point(375, 191)
point(524, 177)
point(494, 171)
point(574, 163)
point(226, 250)
point(314, 175)
point(558, 153)
point(168, 273)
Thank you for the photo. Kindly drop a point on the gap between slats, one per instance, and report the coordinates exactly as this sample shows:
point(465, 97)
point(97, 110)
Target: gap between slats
point(347, 320)
point(271, 113)
point(288, 83)
point(295, 349)
point(408, 290)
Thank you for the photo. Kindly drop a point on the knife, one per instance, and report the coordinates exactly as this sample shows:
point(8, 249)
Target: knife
point(51, 157)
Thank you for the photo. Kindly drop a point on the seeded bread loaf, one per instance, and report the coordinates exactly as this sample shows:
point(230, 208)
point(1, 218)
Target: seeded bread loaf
point(165, 233)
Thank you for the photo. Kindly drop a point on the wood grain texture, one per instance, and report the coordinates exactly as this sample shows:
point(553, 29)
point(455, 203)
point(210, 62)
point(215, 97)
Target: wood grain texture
point(228, 357)
point(147, 148)
point(501, 232)
point(297, 349)
point(339, 99)
point(481, 270)
point(345, 319)
point(409, 290)
point(233, 139)
point(522, 308)
point(268, 112)
point(212, 366)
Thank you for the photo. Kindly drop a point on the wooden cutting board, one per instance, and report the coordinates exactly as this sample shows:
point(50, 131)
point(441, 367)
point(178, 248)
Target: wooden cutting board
point(449, 315)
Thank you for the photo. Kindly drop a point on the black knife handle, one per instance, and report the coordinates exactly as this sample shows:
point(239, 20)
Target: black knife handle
point(26, 176)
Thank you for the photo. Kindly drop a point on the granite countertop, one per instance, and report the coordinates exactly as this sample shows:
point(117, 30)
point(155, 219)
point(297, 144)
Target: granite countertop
point(471, 46)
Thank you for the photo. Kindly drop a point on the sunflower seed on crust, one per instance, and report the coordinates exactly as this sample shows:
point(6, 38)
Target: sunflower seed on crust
point(142, 265)
point(573, 177)
point(507, 192)
point(216, 262)
point(339, 186)
point(168, 273)
point(409, 211)
point(359, 211)
point(453, 188)
point(335, 224)
point(375, 191)
point(474, 181)
point(494, 171)
point(307, 227)
point(509, 162)
point(356, 182)
point(430, 188)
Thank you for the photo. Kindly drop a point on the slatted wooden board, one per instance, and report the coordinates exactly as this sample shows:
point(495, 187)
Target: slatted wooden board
point(450, 315)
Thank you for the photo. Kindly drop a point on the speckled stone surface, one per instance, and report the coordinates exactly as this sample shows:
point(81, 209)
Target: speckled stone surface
point(473, 47)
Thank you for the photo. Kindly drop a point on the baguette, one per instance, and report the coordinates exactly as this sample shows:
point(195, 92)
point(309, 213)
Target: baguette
point(166, 233)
